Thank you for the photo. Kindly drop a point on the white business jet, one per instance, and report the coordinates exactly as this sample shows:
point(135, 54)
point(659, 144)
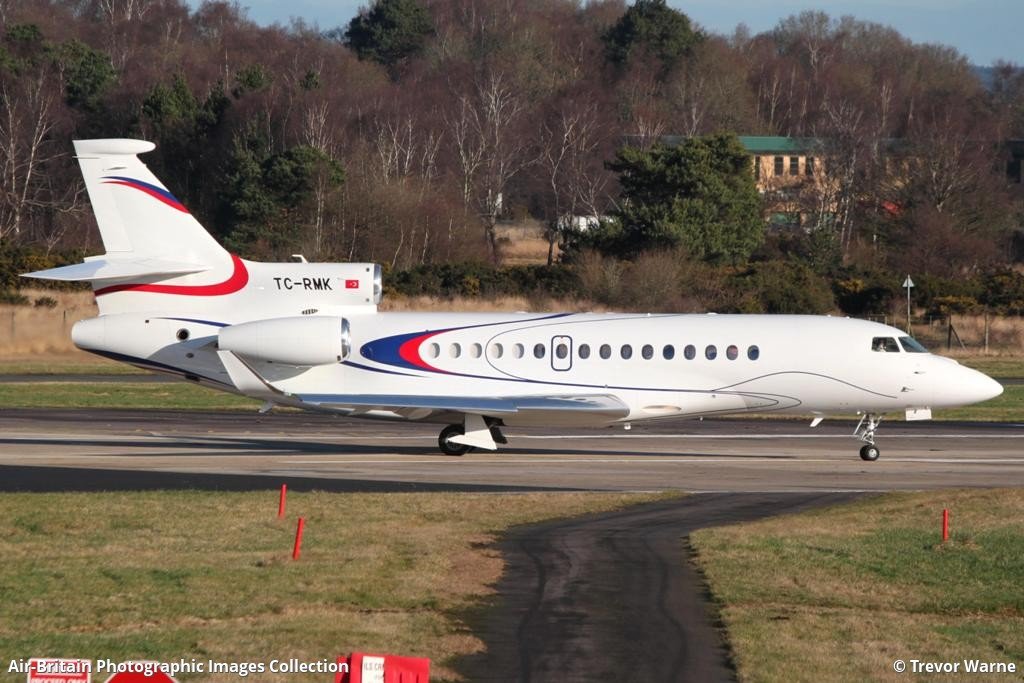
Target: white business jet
point(308, 335)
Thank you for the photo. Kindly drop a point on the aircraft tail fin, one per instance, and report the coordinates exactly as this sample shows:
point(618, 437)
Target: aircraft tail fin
point(137, 216)
point(149, 236)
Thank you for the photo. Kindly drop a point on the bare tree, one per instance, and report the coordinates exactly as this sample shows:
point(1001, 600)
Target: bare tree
point(568, 144)
point(27, 117)
point(490, 148)
point(463, 126)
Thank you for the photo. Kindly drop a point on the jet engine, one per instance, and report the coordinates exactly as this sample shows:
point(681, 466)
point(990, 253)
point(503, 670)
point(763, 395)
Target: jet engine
point(305, 341)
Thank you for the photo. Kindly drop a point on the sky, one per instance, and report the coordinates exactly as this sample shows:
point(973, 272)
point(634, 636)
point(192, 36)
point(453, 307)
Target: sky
point(983, 30)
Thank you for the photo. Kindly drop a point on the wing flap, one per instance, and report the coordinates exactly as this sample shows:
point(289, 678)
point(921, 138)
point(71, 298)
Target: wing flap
point(594, 405)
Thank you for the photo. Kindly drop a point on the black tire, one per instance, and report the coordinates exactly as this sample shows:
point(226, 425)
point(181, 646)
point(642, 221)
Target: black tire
point(869, 452)
point(448, 447)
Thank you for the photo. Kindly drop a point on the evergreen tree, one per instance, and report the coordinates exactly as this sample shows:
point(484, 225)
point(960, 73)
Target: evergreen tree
point(650, 27)
point(699, 195)
point(390, 32)
point(266, 196)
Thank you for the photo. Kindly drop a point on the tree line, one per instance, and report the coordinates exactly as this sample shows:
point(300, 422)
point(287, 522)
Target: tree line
point(407, 134)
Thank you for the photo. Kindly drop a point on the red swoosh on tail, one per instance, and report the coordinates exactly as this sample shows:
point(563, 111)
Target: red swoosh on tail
point(239, 279)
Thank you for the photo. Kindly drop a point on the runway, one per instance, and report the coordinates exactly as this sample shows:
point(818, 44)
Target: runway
point(343, 454)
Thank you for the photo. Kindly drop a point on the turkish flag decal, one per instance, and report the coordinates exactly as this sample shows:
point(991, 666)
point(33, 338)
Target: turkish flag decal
point(351, 284)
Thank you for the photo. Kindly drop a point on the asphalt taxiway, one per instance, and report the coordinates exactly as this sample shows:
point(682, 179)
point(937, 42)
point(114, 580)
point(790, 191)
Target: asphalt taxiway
point(343, 454)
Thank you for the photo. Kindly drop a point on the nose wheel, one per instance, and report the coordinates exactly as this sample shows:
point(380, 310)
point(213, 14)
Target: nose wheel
point(865, 431)
point(869, 452)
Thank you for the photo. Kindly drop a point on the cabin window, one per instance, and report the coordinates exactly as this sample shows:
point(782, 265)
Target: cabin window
point(711, 352)
point(561, 351)
point(433, 350)
point(669, 352)
point(538, 350)
point(518, 351)
point(885, 344)
point(455, 350)
point(647, 352)
point(794, 166)
point(690, 352)
point(496, 350)
point(911, 345)
point(475, 351)
point(753, 353)
point(779, 165)
point(606, 351)
point(732, 353)
point(626, 352)
point(584, 351)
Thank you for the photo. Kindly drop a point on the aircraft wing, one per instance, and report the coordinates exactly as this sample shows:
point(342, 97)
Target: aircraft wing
point(559, 408)
point(556, 409)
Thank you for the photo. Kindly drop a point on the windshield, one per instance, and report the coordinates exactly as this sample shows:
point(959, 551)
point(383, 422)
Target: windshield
point(911, 345)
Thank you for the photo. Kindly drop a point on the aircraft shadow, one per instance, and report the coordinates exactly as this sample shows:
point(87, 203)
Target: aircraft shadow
point(27, 479)
point(246, 446)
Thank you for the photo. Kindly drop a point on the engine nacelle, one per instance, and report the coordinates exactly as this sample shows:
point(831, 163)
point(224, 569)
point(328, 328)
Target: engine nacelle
point(305, 341)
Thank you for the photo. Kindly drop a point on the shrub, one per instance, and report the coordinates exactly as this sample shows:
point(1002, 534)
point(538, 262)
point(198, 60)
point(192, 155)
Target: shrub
point(945, 306)
point(1003, 291)
point(13, 297)
point(865, 293)
point(780, 287)
point(45, 302)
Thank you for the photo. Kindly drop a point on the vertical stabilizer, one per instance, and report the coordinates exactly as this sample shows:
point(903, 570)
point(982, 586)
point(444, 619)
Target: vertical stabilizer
point(137, 216)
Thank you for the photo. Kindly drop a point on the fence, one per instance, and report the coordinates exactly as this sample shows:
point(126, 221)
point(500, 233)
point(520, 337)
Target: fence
point(964, 333)
point(35, 330)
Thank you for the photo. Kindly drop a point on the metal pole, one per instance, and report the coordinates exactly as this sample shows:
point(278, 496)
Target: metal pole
point(908, 310)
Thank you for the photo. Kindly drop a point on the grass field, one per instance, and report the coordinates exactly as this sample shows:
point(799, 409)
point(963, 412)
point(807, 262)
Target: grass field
point(174, 395)
point(840, 594)
point(169, 575)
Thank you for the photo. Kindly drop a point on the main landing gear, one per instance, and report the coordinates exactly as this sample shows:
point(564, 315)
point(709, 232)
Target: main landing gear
point(450, 447)
point(866, 432)
point(476, 432)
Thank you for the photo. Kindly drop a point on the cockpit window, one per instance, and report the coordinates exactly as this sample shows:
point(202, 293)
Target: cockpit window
point(886, 344)
point(911, 345)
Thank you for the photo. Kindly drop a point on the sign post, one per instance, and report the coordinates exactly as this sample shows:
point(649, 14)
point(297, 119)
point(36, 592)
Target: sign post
point(908, 283)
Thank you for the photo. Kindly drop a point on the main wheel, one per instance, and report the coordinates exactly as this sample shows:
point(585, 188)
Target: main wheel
point(450, 447)
point(869, 452)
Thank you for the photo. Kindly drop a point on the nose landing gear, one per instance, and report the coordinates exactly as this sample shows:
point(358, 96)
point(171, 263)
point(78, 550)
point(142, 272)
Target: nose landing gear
point(865, 431)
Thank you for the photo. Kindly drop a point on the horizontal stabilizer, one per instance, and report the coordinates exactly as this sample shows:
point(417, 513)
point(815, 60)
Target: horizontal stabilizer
point(105, 269)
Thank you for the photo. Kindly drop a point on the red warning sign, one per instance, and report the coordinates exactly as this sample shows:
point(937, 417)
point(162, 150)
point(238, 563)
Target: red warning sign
point(140, 674)
point(59, 670)
point(364, 668)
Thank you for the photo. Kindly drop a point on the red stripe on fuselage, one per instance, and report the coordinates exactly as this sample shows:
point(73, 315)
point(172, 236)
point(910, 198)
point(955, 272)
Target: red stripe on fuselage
point(410, 352)
point(239, 279)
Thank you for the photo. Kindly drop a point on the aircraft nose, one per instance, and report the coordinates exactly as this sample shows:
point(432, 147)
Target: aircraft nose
point(975, 387)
